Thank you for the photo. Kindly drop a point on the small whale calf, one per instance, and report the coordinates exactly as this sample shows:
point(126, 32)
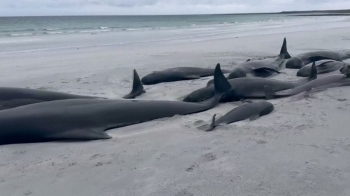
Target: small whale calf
point(251, 111)
point(322, 66)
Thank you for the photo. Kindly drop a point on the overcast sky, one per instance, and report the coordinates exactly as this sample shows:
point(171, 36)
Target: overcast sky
point(140, 7)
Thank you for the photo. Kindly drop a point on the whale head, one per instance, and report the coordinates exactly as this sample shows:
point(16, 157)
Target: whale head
point(152, 78)
point(237, 73)
point(294, 63)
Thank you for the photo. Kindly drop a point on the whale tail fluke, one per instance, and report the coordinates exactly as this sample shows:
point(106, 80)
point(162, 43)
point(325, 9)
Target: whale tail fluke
point(212, 125)
point(284, 51)
point(137, 87)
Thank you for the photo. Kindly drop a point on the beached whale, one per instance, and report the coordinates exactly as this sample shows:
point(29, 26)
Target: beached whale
point(243, 88)
point(345, 69)
point(303, 59)
point(260, 68)
point(11, 93)
point(252, 111)
point(322, 66)
point(88, 119)
point(137, 87)
point(14, 97)
point(11, 97)
point(328, 81)
point(177, 74)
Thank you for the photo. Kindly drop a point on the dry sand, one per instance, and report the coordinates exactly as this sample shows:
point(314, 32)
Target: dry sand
point(302, 148)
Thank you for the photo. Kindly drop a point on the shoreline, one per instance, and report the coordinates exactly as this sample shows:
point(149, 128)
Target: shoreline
point(301, 148)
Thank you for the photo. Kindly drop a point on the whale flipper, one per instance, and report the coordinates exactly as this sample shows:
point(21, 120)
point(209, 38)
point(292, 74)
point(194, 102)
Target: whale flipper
point(79, 134)
point(254, 117)
point(269, 93)
point(137, 87)
point(284, 52)
point(264, 71)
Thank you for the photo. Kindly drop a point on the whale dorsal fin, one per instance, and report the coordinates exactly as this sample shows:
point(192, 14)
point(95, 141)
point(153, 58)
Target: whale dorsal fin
point(313, 72)
point(137, 87)
point(284, 52)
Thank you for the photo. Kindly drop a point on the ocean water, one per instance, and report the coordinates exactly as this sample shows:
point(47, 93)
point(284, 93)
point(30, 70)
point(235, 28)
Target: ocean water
point(26, 34)
point(49, 25)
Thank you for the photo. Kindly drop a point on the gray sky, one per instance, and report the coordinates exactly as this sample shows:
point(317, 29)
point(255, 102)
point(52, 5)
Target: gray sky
point(131, 7)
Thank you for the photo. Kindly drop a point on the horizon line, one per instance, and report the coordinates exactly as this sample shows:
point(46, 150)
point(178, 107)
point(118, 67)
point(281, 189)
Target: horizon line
point(242, 13)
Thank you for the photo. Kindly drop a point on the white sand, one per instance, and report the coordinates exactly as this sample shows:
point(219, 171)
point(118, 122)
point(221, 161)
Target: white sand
point(302, 148)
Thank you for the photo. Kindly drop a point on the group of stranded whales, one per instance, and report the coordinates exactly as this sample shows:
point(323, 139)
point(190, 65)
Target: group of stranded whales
point(88, 119)
point(259, 68)
point(30, 115)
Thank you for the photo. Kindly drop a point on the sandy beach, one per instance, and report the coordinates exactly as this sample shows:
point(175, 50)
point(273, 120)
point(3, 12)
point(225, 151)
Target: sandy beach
point(301, 148)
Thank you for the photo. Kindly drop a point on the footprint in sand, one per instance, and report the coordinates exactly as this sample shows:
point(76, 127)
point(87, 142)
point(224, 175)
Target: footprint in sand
point(208, 157)
point(184, 193)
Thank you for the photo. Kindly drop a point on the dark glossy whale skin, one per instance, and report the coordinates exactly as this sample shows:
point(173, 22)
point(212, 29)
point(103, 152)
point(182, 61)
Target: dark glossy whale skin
point(322, 66)
point(333, 80)
point(177, 74)
point(243, 88)
point(9, 93)
point(14, 97)
point(259, 68)
point(250, 110)
point(88, 119)
point(303, 59)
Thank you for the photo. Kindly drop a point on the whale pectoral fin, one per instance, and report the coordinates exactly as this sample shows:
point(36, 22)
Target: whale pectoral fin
point(264, 71)
point(324, 64)
point(267, 69)
point(269, 93)
point(246, 101)
point(191, 77)
point(254, 117)
point(80, 134)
